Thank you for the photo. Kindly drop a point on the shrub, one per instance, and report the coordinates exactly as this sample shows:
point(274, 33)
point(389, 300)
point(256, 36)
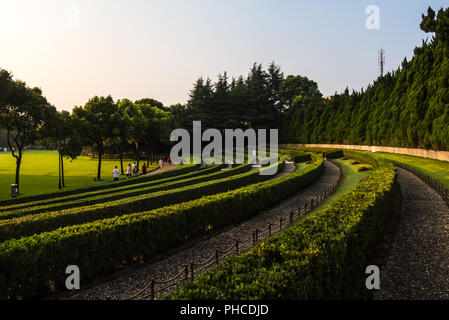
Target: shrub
point(30, 265)
point(31, 224)
point(107, 185)
point(317, 258)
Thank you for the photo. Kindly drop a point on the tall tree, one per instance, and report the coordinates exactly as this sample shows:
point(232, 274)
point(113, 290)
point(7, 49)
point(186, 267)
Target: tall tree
point(97, 119)
point(23, 111)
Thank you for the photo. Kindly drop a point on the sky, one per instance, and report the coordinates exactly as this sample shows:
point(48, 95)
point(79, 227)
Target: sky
point(76, 49)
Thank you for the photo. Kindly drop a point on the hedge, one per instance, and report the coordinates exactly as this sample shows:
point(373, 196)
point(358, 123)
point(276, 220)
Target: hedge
point(47, 221)
point(107, 185)
point(34, 265)
point(319, 257)
point(208, 175)
point(119, 187)
point(333, 154)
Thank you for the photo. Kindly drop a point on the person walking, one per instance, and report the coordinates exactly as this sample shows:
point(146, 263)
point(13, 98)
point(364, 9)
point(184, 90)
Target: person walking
point(134, 167)
point(128, 171)
point(144, 168)
point(160, 163)
point(116, 174)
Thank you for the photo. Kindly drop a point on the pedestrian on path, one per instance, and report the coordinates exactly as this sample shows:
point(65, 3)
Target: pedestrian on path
point(134, 167)
point(144, 168)
point(161, 163)
point(128, 171)
point(116, 174)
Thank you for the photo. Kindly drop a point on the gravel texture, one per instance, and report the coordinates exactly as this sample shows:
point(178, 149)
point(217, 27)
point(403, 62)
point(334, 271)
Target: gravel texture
point(418, 261)
point(134, 280)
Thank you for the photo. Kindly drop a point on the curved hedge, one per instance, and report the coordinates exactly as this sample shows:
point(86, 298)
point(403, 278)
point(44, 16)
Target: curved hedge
point(107, 185)
point(317, 258)
point(82, 195)
point(32, 265)
point(47, 221)
point(207, 175)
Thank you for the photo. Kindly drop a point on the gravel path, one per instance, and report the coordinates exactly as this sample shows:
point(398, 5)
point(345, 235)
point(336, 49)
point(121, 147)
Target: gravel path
point(418, 261)
point(134, 280)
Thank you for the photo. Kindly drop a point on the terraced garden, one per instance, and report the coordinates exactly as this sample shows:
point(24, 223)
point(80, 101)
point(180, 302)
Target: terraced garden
point(334, 213)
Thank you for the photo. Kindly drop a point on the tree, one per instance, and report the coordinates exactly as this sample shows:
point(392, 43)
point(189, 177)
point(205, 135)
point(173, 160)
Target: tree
point(97, 121)
point(23, 111)
point(61, 132)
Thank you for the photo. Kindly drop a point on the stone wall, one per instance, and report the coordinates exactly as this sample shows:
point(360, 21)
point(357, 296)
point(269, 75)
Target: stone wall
point(431, 154)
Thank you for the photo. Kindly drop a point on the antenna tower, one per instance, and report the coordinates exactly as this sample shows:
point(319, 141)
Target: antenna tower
point(381, 60)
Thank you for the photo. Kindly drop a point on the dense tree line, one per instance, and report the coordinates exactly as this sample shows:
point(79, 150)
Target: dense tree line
point(408, 107)
point(103, 125)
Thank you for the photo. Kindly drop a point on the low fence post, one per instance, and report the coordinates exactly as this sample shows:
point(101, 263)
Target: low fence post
point(152, 288)
point(216, 257)
point(280, 224)
point(192, 272)
point(186, 271)
point(269, 230)
point(237, 246)
point(291, 217)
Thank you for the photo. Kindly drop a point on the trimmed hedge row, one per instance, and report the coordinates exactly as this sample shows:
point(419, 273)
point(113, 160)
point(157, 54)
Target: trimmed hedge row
point(121, 194)
point(297, 156)
point(107, 185)
point(319, 257)
point(119, 187)
point(33, 224)
point(333, 154)
point(33, 265)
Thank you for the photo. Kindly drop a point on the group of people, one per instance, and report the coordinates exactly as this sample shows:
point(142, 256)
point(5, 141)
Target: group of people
point(131, 170)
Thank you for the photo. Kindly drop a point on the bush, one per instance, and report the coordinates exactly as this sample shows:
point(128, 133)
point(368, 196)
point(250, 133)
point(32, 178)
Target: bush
point(31, 224)
point(317, 258)
point(31, 265)
point(107, 185)
point(125, 192)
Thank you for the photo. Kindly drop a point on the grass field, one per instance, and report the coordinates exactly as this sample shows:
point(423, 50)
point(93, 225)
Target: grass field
point(437, 169)
point(351, 177)
point(39, 172)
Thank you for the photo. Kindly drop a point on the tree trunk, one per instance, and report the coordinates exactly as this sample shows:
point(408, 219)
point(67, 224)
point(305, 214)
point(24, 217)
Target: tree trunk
point(99, 161)
point(148, 157)
point(59, 170)
point(121, 162)
point(138, 161)
point(62, 170)
point(18, 162)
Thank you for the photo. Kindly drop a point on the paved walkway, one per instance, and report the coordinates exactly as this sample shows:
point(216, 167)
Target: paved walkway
point(417, 266)
point(133, 281)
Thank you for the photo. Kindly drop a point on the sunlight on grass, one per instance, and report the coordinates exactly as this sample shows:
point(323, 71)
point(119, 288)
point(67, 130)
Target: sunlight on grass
point(39, 172)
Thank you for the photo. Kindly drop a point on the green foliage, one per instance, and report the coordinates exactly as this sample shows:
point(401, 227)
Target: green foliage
point(317, 258)
point(104, 186)
point(27, 224)
point(408, 107)
point(30, 265)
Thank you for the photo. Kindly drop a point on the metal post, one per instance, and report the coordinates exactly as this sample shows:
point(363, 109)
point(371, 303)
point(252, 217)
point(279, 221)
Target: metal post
point(257, 235)
point(152, 289)
point(216, 257)
point(192, 272)
point(254, 238)
point(186, 272)
point(269, 230)
point(280, 224)
point(237, 246)
point(291, 217)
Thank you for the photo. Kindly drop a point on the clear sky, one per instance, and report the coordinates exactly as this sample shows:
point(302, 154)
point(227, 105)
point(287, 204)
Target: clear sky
point(75, 49)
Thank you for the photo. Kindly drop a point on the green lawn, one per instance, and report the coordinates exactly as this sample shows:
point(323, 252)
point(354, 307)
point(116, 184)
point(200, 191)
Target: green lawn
point(351, 177)
point(437, 169)
point(39, 172)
